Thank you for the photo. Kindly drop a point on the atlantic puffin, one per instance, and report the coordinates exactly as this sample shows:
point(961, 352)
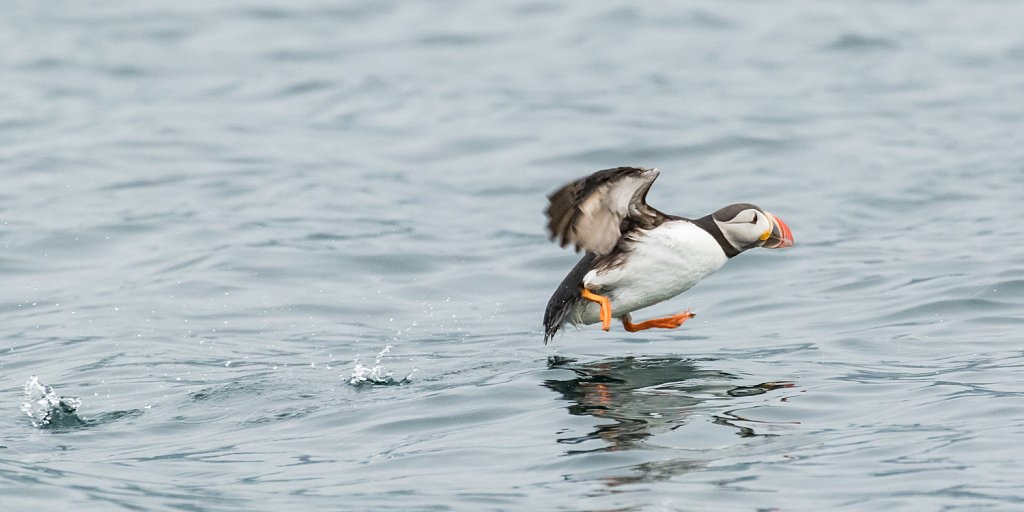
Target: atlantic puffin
point(637, 256)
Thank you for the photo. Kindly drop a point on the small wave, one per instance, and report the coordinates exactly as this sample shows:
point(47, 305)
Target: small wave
point(937, 310)
point(47, 409)
point(857, 42)
point(376, 375)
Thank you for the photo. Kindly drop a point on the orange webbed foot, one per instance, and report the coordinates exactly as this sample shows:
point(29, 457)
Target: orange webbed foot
point(668, 322)
point(606, 307)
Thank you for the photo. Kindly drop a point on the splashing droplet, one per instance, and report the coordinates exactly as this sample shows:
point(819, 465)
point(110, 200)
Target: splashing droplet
point(363, 375)
point(46, 408)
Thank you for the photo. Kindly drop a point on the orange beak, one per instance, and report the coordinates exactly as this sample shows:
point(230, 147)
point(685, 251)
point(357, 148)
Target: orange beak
point(781, 236)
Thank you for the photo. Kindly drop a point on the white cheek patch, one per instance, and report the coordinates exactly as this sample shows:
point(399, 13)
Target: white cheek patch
point(728, 233)
point(744, 235)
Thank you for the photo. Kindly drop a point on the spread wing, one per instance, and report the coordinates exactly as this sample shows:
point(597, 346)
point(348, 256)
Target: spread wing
point(592, 212)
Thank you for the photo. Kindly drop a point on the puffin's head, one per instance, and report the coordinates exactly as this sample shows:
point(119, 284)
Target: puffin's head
point(746, 226)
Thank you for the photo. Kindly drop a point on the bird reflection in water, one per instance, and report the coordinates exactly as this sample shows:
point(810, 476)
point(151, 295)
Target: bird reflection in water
point(645, 396)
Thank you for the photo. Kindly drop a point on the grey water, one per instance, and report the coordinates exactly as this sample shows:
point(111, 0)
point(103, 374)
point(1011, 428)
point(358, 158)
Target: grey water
point(291, 254)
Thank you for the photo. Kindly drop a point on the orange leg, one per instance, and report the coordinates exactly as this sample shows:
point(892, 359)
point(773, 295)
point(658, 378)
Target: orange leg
point(669, 322)
point(606, 307)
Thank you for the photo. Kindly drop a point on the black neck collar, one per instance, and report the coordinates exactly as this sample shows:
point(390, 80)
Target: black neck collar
point(707, 223)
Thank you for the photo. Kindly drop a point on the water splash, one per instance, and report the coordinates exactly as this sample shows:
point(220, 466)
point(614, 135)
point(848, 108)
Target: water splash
point(363, 375)
point(47, 409)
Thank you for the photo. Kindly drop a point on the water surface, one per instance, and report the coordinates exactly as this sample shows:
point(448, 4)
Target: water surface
point(214, 215)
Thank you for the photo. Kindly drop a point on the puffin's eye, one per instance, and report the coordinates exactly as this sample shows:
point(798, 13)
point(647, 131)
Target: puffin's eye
point(755, 219)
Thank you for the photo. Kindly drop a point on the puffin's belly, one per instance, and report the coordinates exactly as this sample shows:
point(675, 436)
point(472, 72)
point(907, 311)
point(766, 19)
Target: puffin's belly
point(661, 264)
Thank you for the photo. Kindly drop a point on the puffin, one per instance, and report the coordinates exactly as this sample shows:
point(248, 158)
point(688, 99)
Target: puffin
point(636, 256)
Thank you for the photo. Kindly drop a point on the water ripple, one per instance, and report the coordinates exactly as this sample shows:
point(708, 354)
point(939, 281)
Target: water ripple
point(214, 216)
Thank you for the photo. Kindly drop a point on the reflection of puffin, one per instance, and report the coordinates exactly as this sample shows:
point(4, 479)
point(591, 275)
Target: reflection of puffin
point(608, 390)
point(645, 397)
point(637, 256)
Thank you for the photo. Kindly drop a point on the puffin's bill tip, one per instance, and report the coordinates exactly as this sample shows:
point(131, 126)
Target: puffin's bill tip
point(781, 236)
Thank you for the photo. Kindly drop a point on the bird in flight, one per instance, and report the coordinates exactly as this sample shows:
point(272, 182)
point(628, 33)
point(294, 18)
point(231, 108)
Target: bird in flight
point(637, 256)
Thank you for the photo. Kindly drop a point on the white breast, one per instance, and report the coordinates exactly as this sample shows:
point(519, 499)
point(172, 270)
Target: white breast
point(664, 262)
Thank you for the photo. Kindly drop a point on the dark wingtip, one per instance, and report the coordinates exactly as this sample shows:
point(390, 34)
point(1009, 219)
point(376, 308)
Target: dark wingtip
point(549, 334)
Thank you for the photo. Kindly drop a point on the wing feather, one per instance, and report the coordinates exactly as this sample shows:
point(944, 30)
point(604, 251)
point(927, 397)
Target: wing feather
point(591, 212)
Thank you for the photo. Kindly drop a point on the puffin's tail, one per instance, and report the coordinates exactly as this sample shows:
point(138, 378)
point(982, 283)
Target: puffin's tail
point(554, 316)
point(566, 297)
